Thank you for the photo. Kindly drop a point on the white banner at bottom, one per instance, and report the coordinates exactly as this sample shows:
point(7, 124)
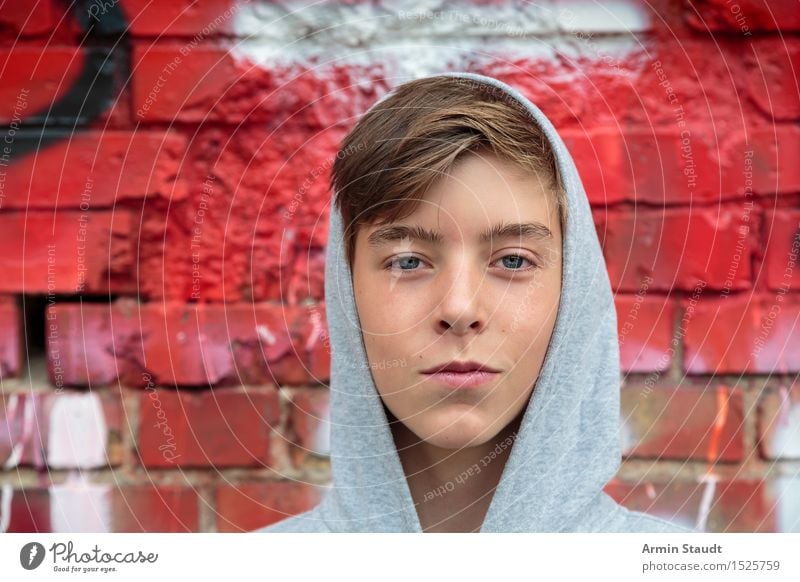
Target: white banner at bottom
point(400, 557)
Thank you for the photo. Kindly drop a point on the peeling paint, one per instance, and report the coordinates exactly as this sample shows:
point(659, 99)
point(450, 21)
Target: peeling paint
point(80, 506)
point(20, 442)
point(316, 333)
point(77, 436)
point(424, 37)
point(591, 16)
point(6, 495)
point(786, 436)
point(785, 493)
point(719, 426)
point(710, 481)
point(265, 334)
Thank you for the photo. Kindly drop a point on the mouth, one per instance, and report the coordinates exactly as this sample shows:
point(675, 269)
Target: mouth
point(457, 366)
point(462, 374)
point(463, 379)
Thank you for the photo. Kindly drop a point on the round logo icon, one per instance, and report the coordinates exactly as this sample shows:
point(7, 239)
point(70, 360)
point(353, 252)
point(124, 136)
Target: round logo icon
point(31, 555)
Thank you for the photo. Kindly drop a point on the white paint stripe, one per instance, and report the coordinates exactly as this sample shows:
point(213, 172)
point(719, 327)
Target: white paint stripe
point(593, 16)
point(80, 506)
point(786, 434)
point(27, 430)
point(418, 40)
point(705, 503)
point(785, 493)
point(77, 437)
point(5, 507)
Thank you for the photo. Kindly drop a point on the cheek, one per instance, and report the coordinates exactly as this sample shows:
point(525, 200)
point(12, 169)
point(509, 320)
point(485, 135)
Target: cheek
point(392, 314)
point(531, 305)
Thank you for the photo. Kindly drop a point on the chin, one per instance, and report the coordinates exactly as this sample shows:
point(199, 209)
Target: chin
point(451, 432)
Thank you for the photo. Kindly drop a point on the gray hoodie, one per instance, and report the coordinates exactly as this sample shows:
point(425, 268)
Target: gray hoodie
point(567, 447)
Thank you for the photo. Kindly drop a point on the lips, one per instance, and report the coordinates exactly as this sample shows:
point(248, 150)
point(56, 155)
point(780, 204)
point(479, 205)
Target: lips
point(458, 380)
point(460, 367)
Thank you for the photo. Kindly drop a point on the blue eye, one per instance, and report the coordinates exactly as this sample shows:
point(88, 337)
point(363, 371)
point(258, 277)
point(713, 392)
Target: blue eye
point(410, 263)
point(406, 262)
point(516, 262)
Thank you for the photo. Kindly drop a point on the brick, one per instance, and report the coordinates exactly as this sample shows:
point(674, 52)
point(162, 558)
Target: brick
point(309, 421)
point(779, 423)
point(219, 428)
point(172, 79)
point(182, 18)
point(269, 340)
point(760, 160)
point(66, 252)
point(747, 334)
point(261, 337)
point(602, 88)
point(660, 167)
point(23, 417)
point(283, 345)
point(644, 325)
point(677, 249)
point(187, 345)
point(239, 238)
point(645, 166)
point(772, 66)
point(10, 338)
point(202, 82)
point(92, 170)
point(82, 348)
point(682, 422)
point(62, 508)
point(98, 344)
point(588, 84)
point(64, 430)
point(783, 249)
point(180, 347)
point(23, 19)
point(56, 85)
point(743, 17)
point(274, 249)
point(36, 76)
point(736, 506)
point(251, 506)
point(775, 151)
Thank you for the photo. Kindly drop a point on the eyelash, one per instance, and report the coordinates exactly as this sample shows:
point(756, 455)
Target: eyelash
point(533, 266)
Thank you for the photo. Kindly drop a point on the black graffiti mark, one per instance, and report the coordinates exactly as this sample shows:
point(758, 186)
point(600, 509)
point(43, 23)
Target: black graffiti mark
point(106, 69)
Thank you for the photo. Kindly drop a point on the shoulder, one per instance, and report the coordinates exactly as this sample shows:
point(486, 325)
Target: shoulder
point(611, 517)
point(307, 522)
point(636, 521)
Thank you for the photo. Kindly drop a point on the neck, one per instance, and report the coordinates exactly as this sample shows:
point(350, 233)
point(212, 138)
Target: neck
point(452, 488)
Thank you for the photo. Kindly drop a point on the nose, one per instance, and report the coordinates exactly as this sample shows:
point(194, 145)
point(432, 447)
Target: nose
point(460, 307)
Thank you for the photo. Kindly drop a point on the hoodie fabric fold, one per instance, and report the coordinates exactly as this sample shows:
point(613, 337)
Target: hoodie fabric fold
point(568, 444)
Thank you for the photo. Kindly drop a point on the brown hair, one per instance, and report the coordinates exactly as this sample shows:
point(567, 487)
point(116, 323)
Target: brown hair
point(412, 138)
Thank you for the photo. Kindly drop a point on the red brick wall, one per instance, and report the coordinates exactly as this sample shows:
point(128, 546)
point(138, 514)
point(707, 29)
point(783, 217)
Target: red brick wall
point(163, 214)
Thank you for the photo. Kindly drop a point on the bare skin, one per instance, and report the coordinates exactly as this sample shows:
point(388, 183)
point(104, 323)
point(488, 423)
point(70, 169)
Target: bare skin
point(429, 469)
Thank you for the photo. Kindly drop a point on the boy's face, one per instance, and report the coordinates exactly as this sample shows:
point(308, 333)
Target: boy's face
point(423, 303)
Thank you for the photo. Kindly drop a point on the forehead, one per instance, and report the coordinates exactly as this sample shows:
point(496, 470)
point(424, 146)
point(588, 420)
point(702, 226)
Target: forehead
point(482, 198)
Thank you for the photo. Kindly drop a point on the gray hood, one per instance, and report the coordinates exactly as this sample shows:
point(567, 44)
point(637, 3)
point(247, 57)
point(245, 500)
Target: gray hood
point(568, 445)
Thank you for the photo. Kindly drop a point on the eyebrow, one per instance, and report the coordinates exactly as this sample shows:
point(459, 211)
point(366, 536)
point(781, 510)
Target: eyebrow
point(528, 230)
